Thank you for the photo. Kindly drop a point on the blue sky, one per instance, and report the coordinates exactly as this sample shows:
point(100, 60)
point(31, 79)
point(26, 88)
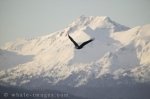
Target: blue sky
point(31, 18)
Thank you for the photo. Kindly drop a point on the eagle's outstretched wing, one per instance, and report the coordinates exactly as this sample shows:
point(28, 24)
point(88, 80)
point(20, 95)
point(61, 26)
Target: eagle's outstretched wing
point(86, 42)
point(76, 45)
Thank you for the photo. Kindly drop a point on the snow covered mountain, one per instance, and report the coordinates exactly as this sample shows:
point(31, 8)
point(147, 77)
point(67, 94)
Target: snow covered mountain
point(117, 51)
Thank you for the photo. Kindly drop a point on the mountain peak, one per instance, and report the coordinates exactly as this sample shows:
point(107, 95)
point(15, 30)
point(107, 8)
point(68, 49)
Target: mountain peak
point(89, 19)
point(95, 22)
point(82, 17)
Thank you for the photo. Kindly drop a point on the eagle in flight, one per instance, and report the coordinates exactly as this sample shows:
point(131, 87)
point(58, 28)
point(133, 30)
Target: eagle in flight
point(81, 45)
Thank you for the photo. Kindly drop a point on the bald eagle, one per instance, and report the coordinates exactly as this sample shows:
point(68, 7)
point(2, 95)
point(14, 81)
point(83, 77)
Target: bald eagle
point(79, 46)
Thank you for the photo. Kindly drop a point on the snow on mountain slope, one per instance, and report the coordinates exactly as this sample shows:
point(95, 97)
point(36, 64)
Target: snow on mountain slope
point(139, 39)
point(56, 61)
point(126, 36)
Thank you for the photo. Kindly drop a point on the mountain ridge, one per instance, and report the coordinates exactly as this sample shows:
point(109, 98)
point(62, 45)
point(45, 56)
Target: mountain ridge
point(55, 61)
